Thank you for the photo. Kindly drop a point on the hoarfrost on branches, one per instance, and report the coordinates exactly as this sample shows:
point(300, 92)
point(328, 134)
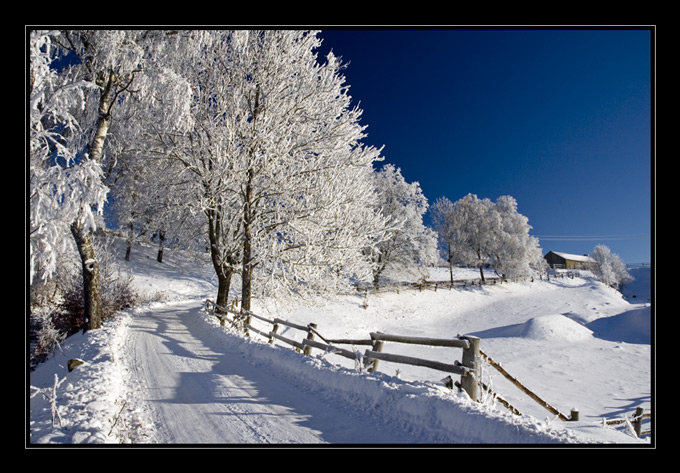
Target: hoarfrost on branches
point(79, 79)
point(63, 188)
point(275, 159)
point(609, 267)
point(480, 233)
point(411, 246)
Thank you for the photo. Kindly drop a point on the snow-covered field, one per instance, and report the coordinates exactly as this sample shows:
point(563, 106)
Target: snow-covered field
point(574, 342)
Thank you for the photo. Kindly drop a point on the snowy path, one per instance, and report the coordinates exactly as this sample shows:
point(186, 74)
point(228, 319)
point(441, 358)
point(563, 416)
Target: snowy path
point(201, 393)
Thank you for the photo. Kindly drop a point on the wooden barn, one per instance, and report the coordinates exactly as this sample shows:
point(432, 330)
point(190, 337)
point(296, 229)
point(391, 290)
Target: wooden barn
point(566, 261)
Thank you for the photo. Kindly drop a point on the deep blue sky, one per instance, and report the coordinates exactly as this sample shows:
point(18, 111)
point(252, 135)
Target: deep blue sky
point(559, 119)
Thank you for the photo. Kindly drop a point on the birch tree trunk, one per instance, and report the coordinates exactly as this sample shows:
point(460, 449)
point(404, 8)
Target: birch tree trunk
point(92, 312)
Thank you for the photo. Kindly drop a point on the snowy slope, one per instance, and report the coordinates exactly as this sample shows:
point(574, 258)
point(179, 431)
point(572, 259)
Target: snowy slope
point(161, 368)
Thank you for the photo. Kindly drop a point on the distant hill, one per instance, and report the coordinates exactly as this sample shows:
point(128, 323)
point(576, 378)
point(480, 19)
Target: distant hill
point(640, 290)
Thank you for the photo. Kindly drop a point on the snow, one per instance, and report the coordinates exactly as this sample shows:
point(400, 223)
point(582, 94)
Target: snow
point(166, 372)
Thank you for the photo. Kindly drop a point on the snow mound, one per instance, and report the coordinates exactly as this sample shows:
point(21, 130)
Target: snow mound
point(555, 327)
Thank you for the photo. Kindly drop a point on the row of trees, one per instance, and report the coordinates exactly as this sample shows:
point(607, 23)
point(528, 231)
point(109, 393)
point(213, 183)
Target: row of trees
point(241, 142)
point(244, 142)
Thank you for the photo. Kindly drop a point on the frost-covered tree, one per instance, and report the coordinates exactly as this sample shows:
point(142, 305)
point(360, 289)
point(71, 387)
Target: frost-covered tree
point(66, 176)
point(609, 267)
point(483, 233)
point(307, 174)
point(411, 246)
point(516, 252)
point(206, 150)
point(476, 224)
point(277, 162)
point(72, 118)
point(63, 187)
point(148, 190)
point(148, 202)
point(442, 220)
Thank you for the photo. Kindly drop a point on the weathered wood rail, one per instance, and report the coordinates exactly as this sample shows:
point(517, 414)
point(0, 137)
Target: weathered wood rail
point(435, 285)
point(528, 392)
point(636, 422)
point(468, 368)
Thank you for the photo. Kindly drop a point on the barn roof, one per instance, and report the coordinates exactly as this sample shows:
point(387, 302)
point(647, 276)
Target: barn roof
point(570, 257)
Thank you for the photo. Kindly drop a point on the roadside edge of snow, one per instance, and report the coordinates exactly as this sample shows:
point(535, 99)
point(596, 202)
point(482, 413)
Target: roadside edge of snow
point(95, 401)
point(432, 414)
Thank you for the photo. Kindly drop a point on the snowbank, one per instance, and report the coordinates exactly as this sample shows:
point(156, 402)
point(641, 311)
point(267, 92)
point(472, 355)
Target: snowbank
point(91, 398)
point(431, 414)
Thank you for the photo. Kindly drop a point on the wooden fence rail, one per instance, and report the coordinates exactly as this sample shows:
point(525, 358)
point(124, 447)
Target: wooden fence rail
point(468, 368)
point(636, 422)
point(434, 285)
point(525, 390)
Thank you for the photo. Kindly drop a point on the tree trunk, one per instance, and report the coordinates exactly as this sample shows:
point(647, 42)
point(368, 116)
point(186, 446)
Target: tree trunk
point(481, 266)
point(129, 241)
point(376, 280)
point(224, 273)
point(451, 267)
point(223, 287)
point(90, 268)
point(248, 211)
point(92, 310)
point(161, 240)
point(247, 270)
point(104, 119)
point(223, 265)
point(377, 271)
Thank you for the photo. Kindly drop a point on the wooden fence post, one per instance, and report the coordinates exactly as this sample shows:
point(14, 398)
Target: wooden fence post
point(274, 331)
point(470, 360)
point(377, 346)
point(310, 336)
point(637, 422)
point(246, 322)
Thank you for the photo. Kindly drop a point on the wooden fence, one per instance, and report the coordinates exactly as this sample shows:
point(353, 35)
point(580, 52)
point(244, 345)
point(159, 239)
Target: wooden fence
point(434, 285)
point(468, 368)
point(637, 422)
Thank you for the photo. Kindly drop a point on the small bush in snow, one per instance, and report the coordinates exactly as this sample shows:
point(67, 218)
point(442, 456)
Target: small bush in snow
point(57, 304)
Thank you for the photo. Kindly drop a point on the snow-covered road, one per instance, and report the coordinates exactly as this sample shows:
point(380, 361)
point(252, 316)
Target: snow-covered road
point(201, 392)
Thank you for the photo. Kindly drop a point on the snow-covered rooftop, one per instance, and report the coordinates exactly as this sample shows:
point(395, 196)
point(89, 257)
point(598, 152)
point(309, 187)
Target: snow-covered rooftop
point(570, 257)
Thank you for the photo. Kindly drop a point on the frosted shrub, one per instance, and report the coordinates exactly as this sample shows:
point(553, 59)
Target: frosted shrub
point(609, 267)
point(45, 336)
point(57, 305)
point(50, 394)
